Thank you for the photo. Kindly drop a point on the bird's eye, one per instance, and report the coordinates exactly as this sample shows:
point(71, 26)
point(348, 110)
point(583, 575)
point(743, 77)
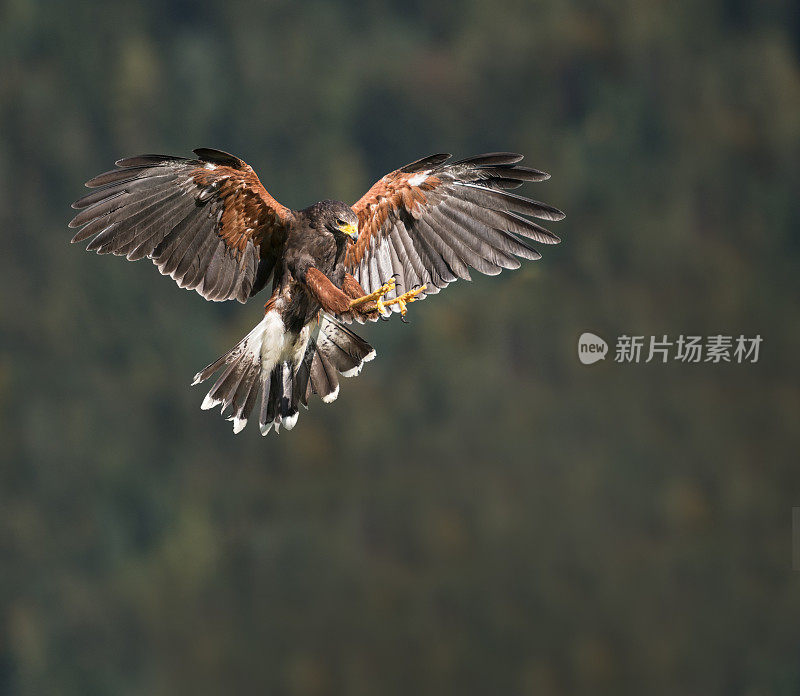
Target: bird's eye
point(339, 221)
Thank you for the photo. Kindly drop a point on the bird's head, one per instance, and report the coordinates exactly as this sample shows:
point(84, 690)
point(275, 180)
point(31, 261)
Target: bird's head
point(341, 220)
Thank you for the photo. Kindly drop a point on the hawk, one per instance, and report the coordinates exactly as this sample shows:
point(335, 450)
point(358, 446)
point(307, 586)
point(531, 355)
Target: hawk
point(210, 224)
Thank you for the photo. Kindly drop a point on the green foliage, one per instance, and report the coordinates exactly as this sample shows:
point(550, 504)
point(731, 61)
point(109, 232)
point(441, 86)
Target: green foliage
point(478, 512)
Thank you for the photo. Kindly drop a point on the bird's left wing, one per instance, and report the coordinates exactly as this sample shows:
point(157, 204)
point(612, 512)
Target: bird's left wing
point(429, 222)
point(208, 222)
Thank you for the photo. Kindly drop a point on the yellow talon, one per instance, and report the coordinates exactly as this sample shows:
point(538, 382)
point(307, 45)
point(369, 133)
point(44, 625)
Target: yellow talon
point(377, 295)
point(405, 299)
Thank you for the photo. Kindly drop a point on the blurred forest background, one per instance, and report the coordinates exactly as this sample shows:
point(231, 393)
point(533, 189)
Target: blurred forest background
point(478, 512)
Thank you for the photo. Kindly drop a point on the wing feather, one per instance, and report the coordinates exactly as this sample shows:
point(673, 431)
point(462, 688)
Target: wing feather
point(430, 222)
point(206, 222)
point(444, 259)
point(179, 240)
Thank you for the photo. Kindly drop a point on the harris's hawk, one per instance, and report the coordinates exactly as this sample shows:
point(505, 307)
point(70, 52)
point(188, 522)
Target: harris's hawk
point(210, 224)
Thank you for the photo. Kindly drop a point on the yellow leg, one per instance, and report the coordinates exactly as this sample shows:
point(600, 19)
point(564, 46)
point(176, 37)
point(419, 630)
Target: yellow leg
point(405, 299)
point(377, 295)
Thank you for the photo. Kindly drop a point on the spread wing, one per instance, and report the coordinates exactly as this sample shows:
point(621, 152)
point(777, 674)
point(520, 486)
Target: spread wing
point(430, 222)
point(207, 222)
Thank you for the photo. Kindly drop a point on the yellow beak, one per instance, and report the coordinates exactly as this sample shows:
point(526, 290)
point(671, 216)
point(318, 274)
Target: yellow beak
point(350, 230)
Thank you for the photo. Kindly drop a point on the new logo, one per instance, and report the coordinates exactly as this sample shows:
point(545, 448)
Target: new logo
point(591, 348)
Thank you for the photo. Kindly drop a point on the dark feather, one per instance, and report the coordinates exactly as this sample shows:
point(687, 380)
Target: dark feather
point(472, 250)
point(285, 408)
point(218, 157)
point(244, 398)
point(402, 273)
point(345, 339)
point(330, 373)
point(319, 377)
point(187, 253)
point(119, 176)
point(489, 225)
point(247, 269)
point(425, 163)
point(140, 160)
point(263, 274)
point(123, 207)
point(501, 200)
point(491, 158)
point(214, 269)
point(134, 188)
point(93, 198)
point(90, 230)
point(447, 261)
point(169, 252)
point(226, 281)
point(527, 228)
point(515, 173)
point(487, 243)
point(414, 271)
point(269, 399)
point(197, 269)
point(153, 227)
point(223, 387)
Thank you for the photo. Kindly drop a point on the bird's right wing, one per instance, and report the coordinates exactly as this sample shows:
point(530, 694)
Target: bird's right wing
point(208, 222)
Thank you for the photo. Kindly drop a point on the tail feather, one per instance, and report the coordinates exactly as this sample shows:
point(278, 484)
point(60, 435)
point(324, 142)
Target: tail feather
point(288, 410)
point(303, 376)
point(269, 398)
point(255, 366)
point(209, 370)
point(287, 374)
point(226, 385)
point(324, 381)
point(344, 349)
point(245, 398)
point(348, 342)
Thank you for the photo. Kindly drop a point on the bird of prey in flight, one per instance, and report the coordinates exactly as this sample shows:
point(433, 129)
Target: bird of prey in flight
point(210, 224)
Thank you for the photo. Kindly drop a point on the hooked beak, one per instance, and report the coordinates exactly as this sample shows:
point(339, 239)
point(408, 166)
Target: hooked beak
point(350, 230)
